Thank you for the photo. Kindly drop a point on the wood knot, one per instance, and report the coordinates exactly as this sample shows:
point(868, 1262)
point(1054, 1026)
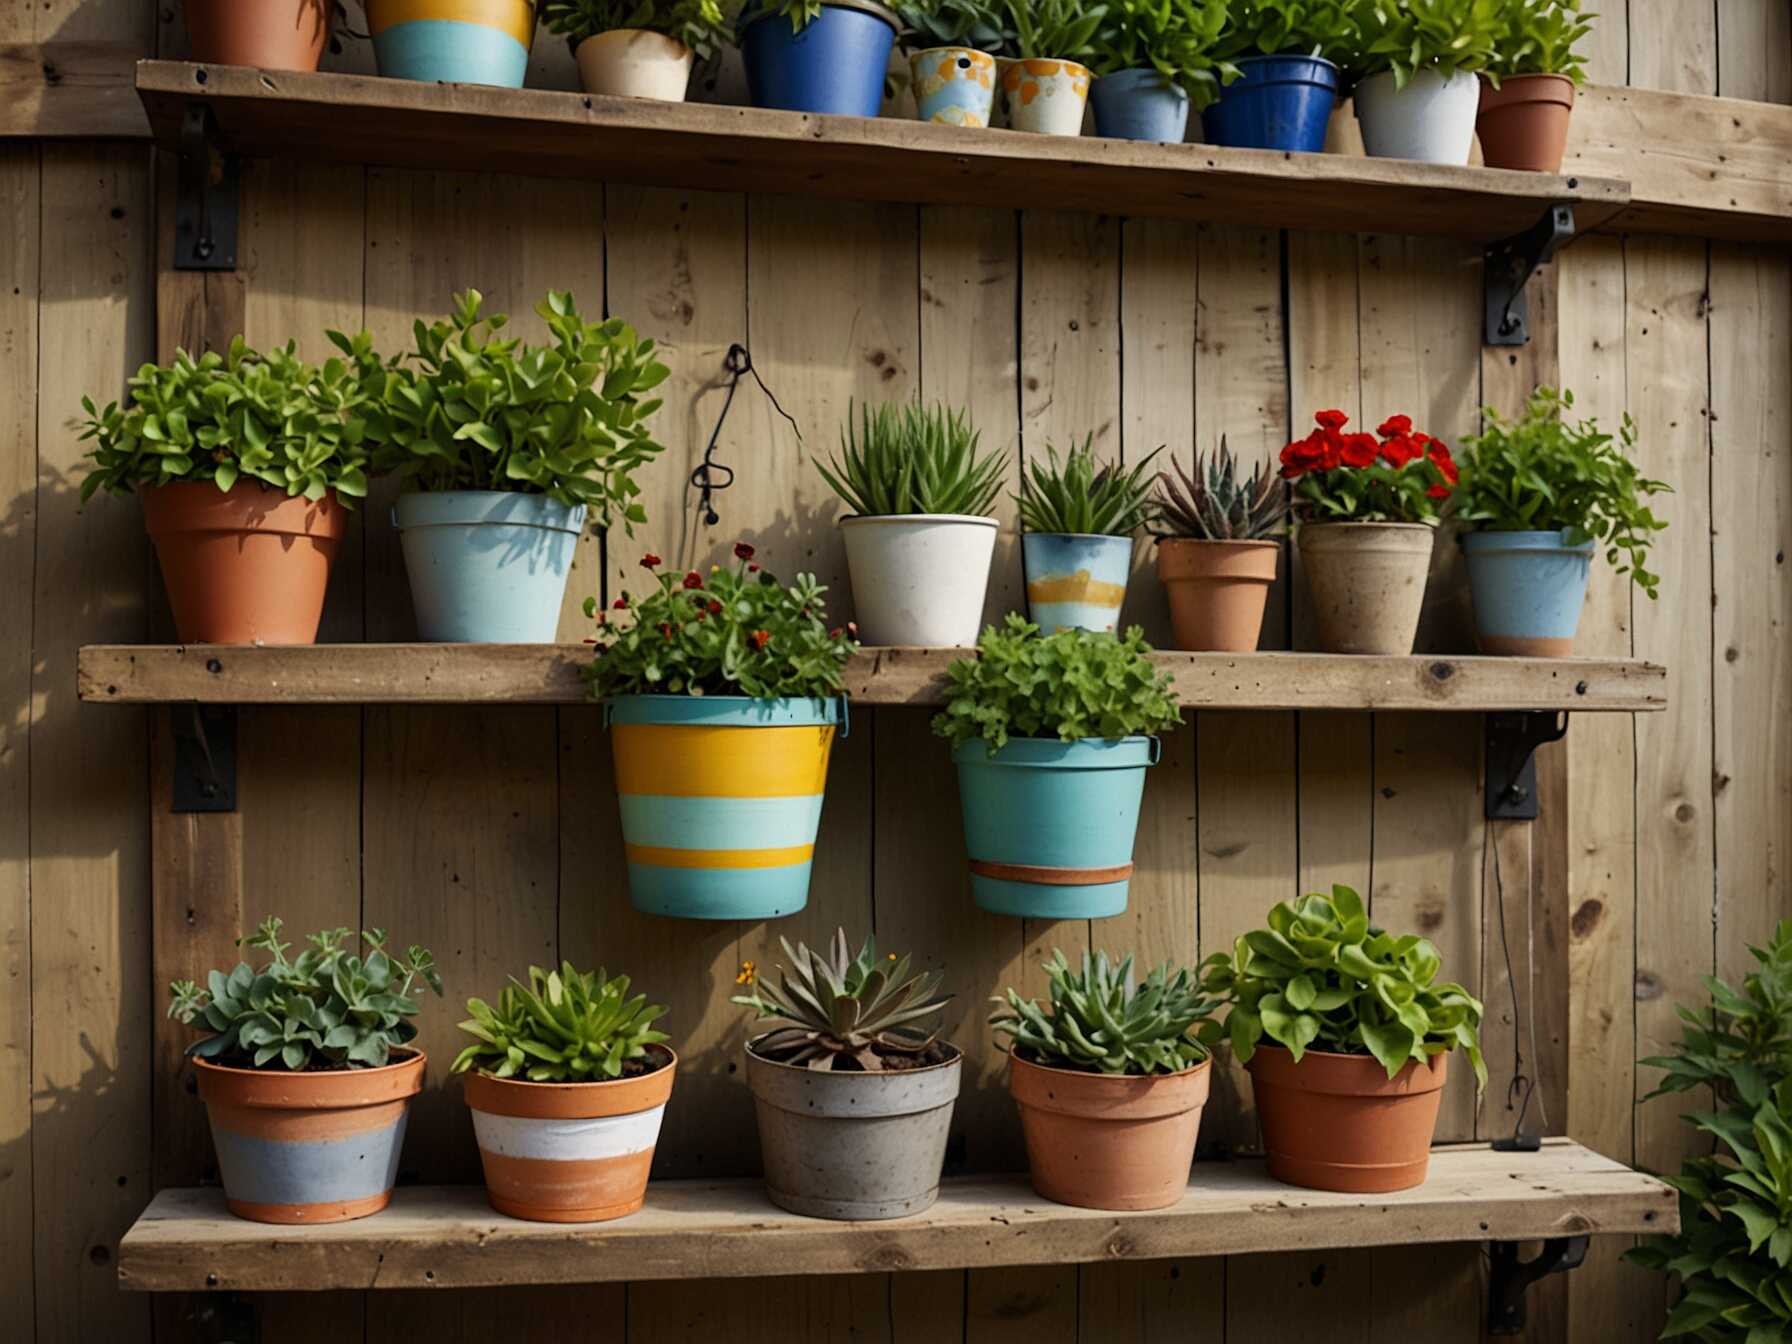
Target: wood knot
point(1586, 917)
point(1442, 671)
point(1648, 986)
point(1119, 1246)
point(887, 1257)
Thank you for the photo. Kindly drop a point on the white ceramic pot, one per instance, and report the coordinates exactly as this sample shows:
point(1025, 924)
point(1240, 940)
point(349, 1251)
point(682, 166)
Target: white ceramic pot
point(919, 578)
point(1045, 96)
point(1432, 119)
point(634, 63)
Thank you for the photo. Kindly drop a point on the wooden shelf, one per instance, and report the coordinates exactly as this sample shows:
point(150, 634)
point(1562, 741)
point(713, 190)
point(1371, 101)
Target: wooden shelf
point(549, 674)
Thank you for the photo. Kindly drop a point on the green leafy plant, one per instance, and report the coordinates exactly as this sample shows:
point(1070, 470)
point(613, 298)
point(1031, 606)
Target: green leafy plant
point(1321, 977)
point(1354, 478)
point(1053, 30)
point(981, 25)
point(1174, 37)
point(736, 632)
point(801, 13)
point(465, 410)
point(1100, 1021)
point(845, 1012)
point(327, 1008)
point(1322, 28)
point(700, 24)
point(295, 427)
point(1406, 36)
point(905, 458)
point(1214, 505)
point(1539, 473)
point(1538, 37)
point(563, 1026)
point(1071, 685)
point(1078, 497)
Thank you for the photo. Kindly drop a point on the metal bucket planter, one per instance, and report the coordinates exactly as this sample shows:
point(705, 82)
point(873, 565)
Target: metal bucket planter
point(1529, 588)
point(919, 578)
point(1049, 825)
point(836, 64)
point(635, 63)
point(852, 1146)
point(954, 86)
point(721, 799)
point(1431, 119)
point(487, 566)
point(460, 41)
point(1075, 582)
point(1277, 102)
point(1139, 105)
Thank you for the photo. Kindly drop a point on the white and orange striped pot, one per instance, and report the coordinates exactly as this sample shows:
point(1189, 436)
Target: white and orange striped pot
point(569, 1152)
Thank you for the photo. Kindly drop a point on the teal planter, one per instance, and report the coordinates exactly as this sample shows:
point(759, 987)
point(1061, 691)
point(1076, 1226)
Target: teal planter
point(1075, 582)
point(1049, 825)
point(1528, 588)
point(487, 566)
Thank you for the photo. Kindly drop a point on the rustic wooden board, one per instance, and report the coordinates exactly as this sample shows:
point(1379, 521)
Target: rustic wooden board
point(68, 89)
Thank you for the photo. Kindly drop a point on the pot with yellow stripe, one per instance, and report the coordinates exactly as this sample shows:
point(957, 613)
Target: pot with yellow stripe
point(459, 41)
point(720, 798)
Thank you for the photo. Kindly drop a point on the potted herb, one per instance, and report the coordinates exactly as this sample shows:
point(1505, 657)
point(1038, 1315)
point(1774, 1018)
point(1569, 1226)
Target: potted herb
point(637, 49)
point(308, 1073)
point(1052, 735)
point(1110, 1081)
point(456, 41)
point(1289, 56)
point(919, 538)
point(825, 56)
point(1044, 83)
point(567, 1081)
point(1079, 520)
point(1539, 494)
point(505, 448)
point(952, 64)
point(1417, 88)
point(246, 464)
point(1153, 59)
point(269, 34)
point(1527, 89)
point(1347, 1036)
point(1217, 549)
point(722, 694)
point(854, 1091)
point(1365, 514)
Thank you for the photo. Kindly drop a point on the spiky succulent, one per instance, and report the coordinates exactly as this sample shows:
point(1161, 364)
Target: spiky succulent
point(904, 458)
point(1100, 1022)
point(562, 1027)
point(1080, 498)
point(844, 1010)
point(1214, 505)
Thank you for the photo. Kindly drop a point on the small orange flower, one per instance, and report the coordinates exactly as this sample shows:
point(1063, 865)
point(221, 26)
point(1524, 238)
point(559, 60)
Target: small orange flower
point(747, 974)
point(760, 638)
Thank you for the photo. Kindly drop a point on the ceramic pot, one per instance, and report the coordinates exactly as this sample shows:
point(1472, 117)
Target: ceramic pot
point(954, 86)
point(1338, 1122)
point(1139, 105)
point(852, 1146)
point(458, 41)
point(635, 63)
point(1277, 102)
point(314, 1147)
point(1049, 825)
point(569, 1152)
point(1045, 96)
point(720, 798)
point(1528, 589)
point(487, 566)
point(269, 34)
point(1075, 582)
point(1367, 582)
point(1109, 1141)
point(1523, 124)
point(1432, 119)
point(248, 565)
point(836, 64)
point(919, 578)
point(1217, 591)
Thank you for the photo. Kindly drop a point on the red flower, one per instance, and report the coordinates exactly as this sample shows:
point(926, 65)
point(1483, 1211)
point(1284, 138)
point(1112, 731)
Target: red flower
point(1331, 421)
point(620, 604)
point(1357, 450)
point(1446, 465)
point(650, 560)
point(742, 551)
point(1395, 424)
point(760, 638)
point(1401, 449)
point(834, 633)
point(693, 579)
point(666, 629)
point(714, 608)
point(752, 569)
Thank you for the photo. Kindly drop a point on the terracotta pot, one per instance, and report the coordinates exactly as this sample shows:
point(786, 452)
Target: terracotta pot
point(248, 565)
point(1217, 590)
point(1524, 123)
point(1368, 583)
point(271, 34)
point(1109, 1141)
point(1338, 1122)
point(568, 1152)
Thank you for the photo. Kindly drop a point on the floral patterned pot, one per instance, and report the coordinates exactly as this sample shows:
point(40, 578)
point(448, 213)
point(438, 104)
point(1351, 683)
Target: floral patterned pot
point(1045, 96)
point(953, 85)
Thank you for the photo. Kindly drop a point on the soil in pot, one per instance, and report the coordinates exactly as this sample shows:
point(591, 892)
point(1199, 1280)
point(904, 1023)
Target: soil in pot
point(1367, 582)
point(1045, 96)
point(954, 86)
point(1431, 119)
point(1277, 102)
point(1528, 589)
point(457, 41)
point(635, 63)
point(1217, 591)
point(487, 566)
point(1523, 124)
point(919, 578)
point(1338, 1122)
point(835, 64)
point(269, 34)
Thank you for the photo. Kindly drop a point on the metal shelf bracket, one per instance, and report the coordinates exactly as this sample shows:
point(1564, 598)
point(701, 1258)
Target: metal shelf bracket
point(1510, 263)
point(1509, 1278)
point(204, 758)
point(1511, 742)
point(207, 196)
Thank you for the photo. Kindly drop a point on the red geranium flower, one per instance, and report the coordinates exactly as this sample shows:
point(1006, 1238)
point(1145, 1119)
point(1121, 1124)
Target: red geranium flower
point(1357, 450)
point(742, 551)
point(650, 560)
point(760, 638)
point(714, 608)
point(666, 629)
point(1401, 449)
point(620, 604)
point(1331, 421)
point(693, 579)
point(752, 569)
point(1395, 424)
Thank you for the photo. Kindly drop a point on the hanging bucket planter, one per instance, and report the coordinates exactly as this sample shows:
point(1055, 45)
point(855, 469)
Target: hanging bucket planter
point(458, 41)
point(1528, 589)
point(1432, 119)
point(835, 64)
point(487, 566)
point(1140, 105)
point(954, 86)
point(635, 63)
point(1217, 591)
point(919, 578)
point(1049, 825)
point(1367, 582)
point(721, 799)
point(1075, 582)
point(1277, 102)
point(248, 565)
point(1523, 124)
point(1045, 96)
point(268, 34)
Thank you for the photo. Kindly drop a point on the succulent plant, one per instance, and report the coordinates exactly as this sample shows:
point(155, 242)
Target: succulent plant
point(1079, 498)
point(1214, 505)
point(904, 458)
point(1099, 1021)
point(562, 1027)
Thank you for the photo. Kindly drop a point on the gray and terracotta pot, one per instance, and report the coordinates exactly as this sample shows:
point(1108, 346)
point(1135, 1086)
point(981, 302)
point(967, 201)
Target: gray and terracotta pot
point(1368, 583)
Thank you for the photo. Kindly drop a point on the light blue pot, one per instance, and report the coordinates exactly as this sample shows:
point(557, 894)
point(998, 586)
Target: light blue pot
point(487, 566)
point(1075, 582)
point(1529, 588)
point(1139, 105)
point(1049, 825)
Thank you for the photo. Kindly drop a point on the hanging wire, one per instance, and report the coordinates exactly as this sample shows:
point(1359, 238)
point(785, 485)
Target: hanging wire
point(711, 475)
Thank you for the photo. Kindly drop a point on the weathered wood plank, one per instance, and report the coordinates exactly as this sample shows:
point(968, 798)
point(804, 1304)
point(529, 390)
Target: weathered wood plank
point(73, 89)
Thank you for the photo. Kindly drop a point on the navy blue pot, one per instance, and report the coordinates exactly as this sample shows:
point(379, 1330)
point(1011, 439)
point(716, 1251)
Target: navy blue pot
point(1278, 102)
point(1139, 105)
point(835, 64)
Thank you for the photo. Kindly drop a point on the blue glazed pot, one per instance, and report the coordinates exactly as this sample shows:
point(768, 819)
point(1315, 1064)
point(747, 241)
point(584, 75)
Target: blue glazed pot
point(1277, 102)
point(835, 64)
point(1049, 825)
point(487, 566)
point(1139, 105)
point(1075, 581)
point(1528, 588)
point(463, 41)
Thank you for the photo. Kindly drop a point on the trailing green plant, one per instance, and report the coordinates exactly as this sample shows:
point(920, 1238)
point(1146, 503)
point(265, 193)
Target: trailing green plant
point(700, 24)
point(1538, 37)
point(1052, 30)
point(1101, 1021)
point(1321, 977)
point(1323, 28)
point(1214, 505)
point(1079, 498)
point(800, 13)
point(465, 410)
point(298, 428)
point(981, 25)
point(327, 1008)
point(844, 1012)
point(1443, 36)
point(564, 1026)
point(1070, 685)
point(1540, 473)
point(1176, 38)
point(906, 458)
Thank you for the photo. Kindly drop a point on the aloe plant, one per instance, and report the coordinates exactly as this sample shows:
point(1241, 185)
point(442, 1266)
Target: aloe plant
point(1214, 505)
point(1080, 498)
point(1101, 1021)
point(904, 458)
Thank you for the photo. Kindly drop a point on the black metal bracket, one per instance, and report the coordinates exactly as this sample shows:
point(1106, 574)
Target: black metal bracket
point(223, 1318)
point(1508, 1278)
point(206, 199)
point(1511, 741)
point(1510, 263)
point(204, 758)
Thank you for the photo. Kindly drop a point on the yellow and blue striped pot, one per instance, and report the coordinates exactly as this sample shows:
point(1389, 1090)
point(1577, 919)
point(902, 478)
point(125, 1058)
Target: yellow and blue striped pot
point(460, 41)
point(720, 798)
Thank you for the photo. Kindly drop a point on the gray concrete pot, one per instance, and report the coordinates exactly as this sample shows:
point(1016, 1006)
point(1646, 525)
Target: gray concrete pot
point(852, 1145)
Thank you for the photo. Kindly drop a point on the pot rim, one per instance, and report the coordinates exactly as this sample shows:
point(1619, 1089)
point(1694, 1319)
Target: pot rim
point(1061, 60)
point(822, 710)
point(981, 520)
point(1131, 538)
point(654, 32)
point(412, 1057)
point(1378, 1082)
point(953, 1063)
point(534, 1086)
point(1364, 522)
point(398, 1080)
point(757, 12)
point(561, 1100)
point(1189, 1072)
point(1253, 542)
point(1528, 539)
point(1264, 57)
point(1465, 76)
point(950, 46)
point(992, 756)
